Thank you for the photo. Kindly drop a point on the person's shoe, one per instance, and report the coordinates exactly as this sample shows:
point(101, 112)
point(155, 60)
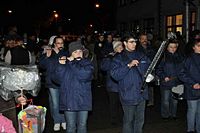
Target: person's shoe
point(56, 127)
point(64, 126)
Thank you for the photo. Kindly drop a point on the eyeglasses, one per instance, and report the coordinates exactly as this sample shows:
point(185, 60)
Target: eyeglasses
point(198, 45)
point(59, 43)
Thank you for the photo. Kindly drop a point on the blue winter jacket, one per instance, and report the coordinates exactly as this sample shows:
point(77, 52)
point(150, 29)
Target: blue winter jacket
point(111, 84)
point(149, 51)
point(130, 79)
point(49, 64)
point(169, 67)
point(75, 80)
point(190, 75)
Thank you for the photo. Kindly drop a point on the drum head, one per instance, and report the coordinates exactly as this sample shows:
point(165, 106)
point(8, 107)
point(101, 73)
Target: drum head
point(177, 92)
point(178, 89)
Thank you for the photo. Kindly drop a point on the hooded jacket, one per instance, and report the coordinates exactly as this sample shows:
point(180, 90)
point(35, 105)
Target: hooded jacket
point(75, 80)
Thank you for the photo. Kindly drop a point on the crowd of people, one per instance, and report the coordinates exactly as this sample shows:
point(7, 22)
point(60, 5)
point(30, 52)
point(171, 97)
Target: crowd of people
point(119, 62)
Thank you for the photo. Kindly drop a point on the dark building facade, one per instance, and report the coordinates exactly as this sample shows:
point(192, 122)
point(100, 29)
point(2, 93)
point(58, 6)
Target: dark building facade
point(158, 16)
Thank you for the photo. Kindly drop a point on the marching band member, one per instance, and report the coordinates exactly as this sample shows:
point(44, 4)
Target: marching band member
point(128, 69)
point(189, 74)
point(167, 71)
point(74, 74)
point(48, 62)
point(111, 84)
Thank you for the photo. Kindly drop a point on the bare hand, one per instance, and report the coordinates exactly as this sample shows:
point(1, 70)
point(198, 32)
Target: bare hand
point(196, 86)
point(167, 79)
point(22, 100)
point(133, 63)
point(62, 60)
point(48, 52)
point(71, 58)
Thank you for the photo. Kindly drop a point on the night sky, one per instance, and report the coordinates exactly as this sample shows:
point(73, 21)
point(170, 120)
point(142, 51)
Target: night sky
point(80, 12)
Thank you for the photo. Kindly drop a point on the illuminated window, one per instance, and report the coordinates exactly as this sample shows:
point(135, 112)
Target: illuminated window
point(169, 29)
point(179, 19)
point(174, 23)
point(193, 20)
point(179, 29)
point(169, 21)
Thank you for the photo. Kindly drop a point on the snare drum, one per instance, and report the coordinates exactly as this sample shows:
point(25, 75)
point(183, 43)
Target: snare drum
point(177, 92)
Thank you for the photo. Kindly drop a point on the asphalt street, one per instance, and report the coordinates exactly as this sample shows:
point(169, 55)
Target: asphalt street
point(99, 120)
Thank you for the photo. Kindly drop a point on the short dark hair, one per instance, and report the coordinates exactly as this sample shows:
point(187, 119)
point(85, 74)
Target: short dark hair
point(54, 40)
point(127, 37)
point(196, 41)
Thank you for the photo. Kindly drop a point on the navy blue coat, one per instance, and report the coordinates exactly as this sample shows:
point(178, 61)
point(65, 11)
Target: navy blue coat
point(130, 79)
point(75, 80)
point(190, 75)
point(49, 65)
point(111, 84)
point(149, 51)
point(169, 67)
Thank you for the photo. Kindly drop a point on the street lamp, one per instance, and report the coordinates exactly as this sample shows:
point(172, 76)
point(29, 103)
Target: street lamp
point(97, 5)
point(56, 15)
point(9, 11)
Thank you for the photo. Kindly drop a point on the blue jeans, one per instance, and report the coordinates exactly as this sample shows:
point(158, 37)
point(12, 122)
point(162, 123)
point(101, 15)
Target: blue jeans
point(54, 106)
point(76, 120)
point(193, 115)
point(133, 119)
point(168, 104)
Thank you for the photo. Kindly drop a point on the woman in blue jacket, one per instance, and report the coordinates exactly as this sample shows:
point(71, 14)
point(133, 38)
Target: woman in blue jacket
point(190, 75)
point(111, 84)
point(75, 75)
point(167, 71)
point(128, 68)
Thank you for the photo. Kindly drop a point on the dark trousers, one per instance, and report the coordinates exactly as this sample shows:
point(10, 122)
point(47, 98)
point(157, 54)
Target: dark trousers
point(115, 107)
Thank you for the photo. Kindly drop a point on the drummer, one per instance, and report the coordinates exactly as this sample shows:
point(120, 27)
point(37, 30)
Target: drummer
point(167, 71)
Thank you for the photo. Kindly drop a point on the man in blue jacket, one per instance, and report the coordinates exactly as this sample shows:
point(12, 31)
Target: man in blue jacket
point(145, 46)
point(128, 69)
point(48, 62)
